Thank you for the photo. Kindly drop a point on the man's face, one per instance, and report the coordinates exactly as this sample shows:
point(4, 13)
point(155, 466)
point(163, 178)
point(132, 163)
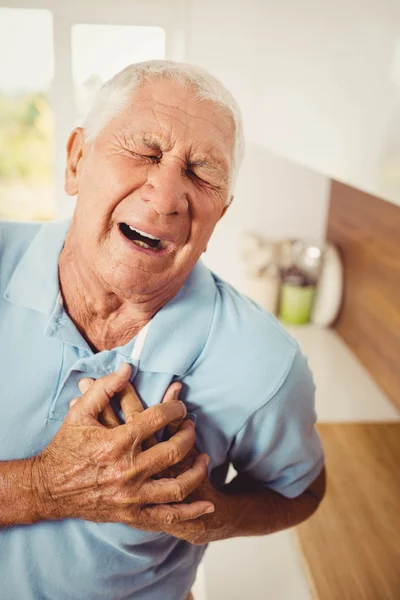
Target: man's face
point(162, 167)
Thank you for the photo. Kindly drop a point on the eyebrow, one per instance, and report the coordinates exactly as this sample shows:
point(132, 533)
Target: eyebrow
point(151, 142)
point(204, 164)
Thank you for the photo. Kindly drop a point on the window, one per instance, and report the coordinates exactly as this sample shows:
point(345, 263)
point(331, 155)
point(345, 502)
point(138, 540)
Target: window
point(93, 63)
point(26, 118)
point(54, 57)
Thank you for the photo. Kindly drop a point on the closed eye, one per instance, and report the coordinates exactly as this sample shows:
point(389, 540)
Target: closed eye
point(151, 158)
point(198, 170)
point(201, 181)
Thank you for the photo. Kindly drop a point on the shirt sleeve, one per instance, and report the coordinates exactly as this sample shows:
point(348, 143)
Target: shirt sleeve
point(278, 444)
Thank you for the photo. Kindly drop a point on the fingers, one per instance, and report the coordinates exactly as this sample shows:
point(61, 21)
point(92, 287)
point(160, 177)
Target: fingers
point(131, 407)
point(84, 384)
point(172, 392)
point(130, 403)
point(175, 513)
point(149, 443)
point(98, 395)
point(172, 395)
point(152, 420)
point(163, 455)
point(175, 490)
point(108, 418)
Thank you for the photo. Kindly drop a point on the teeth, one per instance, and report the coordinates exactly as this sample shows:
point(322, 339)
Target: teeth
point(142, 244)
point(143, 233)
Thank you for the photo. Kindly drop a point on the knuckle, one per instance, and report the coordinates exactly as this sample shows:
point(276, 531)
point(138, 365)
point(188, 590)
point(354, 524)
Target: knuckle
point(179, 492)
point(171, 517)
point(175, 453)
point(157, 417)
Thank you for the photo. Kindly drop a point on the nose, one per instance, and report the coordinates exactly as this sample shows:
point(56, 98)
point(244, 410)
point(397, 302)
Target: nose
point(166, 189)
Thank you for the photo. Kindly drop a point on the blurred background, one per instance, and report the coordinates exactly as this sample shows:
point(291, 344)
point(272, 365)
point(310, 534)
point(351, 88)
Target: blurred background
point(313, 234)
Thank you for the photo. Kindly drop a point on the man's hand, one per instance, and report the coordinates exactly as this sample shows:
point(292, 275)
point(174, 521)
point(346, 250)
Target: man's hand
point(99, 473)
point(195, 531)
point(191, 530)
point(244, 506)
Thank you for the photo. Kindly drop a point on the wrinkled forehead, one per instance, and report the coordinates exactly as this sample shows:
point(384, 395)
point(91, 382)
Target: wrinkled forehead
point(165, 113)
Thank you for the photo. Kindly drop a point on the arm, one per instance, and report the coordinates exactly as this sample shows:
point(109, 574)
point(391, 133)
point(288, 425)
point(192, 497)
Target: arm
point(244, 507)
point(255, 510)
point(17, 496)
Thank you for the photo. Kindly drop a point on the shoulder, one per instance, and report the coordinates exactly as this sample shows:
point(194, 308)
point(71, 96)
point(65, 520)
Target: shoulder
point(257, 336)
point(237, 315)
point(15, 238)
point(248, 353)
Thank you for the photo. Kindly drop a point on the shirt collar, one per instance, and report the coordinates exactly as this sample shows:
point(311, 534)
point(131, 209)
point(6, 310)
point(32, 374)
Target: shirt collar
point(175, 336)
point(34, 283)
point(178, 333)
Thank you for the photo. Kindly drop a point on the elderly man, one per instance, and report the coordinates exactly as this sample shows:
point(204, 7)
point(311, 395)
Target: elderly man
point(116, 492)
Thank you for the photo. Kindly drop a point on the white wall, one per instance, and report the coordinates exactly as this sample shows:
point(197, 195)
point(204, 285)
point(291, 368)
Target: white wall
point(274, 197)
point(318, 81)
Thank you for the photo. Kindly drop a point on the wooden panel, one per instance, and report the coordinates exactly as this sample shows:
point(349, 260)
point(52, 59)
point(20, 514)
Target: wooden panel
point(351, 546)
point(367, 232)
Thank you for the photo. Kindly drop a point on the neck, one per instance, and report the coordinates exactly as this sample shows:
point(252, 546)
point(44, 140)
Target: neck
point(104, 317)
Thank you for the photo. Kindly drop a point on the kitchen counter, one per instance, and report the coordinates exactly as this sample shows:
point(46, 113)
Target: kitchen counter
point(345, 389)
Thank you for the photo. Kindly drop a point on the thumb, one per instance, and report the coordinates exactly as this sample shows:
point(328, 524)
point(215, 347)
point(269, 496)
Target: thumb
point(98, 395)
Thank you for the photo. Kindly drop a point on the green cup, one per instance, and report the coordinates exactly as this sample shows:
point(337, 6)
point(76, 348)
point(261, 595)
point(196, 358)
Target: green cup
point(296, 303)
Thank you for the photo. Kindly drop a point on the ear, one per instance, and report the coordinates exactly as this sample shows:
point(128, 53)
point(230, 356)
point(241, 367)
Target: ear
point(74, 149)
point(226, 206)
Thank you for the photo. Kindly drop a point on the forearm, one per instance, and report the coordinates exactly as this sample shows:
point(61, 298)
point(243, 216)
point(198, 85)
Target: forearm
point(18, 504)
point(244, 508)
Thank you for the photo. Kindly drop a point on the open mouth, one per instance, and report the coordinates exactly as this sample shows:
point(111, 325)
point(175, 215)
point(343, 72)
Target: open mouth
point(140, 238)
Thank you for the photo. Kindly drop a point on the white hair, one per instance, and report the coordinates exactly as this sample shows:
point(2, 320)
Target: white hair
point(116, 93)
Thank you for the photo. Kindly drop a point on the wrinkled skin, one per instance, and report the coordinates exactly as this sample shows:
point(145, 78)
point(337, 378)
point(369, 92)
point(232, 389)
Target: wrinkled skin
point(191, 530)
point(97, 473)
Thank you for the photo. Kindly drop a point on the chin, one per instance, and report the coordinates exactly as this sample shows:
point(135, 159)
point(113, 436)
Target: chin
point(129, 281)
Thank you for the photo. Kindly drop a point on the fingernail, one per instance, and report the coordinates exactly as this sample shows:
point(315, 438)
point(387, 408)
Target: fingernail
point(210, 509)
point(207, 460)
point(74, 401)
point(184, 408)
point(83, 385)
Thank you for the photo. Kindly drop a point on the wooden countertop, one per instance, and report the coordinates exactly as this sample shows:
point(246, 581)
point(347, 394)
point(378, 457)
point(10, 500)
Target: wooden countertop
point(351, 546)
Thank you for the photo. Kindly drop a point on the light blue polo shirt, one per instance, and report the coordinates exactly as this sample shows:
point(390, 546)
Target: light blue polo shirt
point(244, 378)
